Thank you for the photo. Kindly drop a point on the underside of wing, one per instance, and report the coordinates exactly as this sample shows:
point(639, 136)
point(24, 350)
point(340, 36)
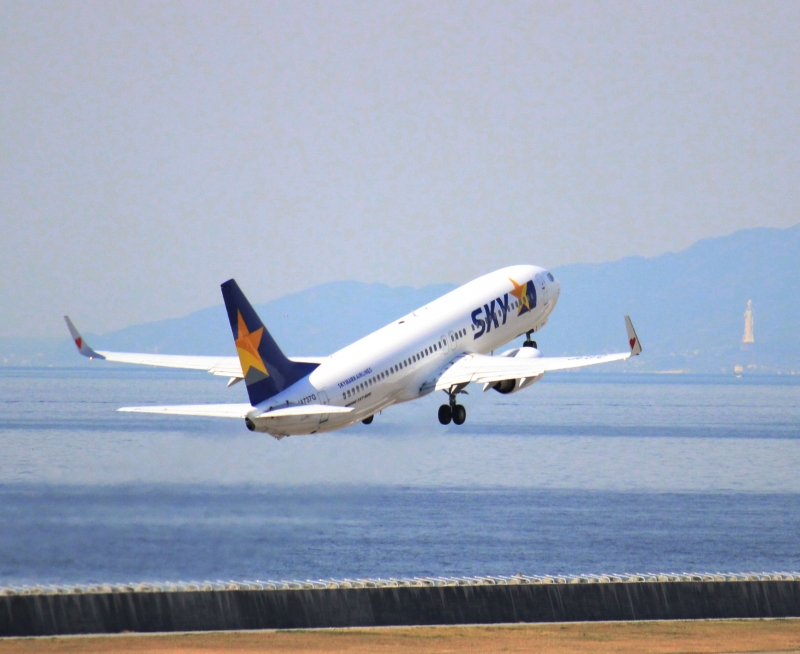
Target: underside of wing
point(484, 369)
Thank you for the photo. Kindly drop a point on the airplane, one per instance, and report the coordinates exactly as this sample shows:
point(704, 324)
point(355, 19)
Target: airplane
point(443, 346)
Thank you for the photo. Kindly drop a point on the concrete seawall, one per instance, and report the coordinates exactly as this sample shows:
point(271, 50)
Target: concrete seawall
point(153, 610)
point(33, 612)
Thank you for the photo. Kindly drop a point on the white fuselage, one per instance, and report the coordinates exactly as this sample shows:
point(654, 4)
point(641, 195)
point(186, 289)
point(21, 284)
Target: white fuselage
point(401, 361)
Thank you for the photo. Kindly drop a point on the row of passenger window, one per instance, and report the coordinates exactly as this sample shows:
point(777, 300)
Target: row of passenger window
point(391, 370)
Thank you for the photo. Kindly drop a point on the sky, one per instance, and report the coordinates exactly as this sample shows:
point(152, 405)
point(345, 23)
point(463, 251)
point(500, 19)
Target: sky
point(150, 151)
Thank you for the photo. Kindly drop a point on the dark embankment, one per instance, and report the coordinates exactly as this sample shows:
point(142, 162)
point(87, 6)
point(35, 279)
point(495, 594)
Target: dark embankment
point(209, 610)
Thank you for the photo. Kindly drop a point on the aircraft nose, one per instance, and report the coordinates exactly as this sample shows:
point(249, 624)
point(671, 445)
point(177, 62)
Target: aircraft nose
point(555, 286)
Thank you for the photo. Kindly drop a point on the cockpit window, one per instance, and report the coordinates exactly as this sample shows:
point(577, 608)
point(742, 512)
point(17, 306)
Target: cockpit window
point(550, 277)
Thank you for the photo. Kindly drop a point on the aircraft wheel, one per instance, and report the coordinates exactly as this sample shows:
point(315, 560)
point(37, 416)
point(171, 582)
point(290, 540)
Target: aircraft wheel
point(368, 421)
point(529, 343)
point(459, 414)
point(445, 414)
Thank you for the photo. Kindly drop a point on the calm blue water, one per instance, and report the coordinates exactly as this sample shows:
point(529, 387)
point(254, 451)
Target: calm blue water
point(579, 474)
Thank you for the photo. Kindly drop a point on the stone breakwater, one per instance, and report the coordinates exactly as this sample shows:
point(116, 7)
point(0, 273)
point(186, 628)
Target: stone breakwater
point(212, 606)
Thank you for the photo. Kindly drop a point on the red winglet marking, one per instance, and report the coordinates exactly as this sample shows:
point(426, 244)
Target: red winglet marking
point(79, 342)
point(633, 342)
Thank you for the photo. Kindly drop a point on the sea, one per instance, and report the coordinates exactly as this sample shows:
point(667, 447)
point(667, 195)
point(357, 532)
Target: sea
point(580, 474)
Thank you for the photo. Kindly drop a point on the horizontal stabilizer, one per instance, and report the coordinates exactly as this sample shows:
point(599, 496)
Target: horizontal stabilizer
point(206, 410)
point(303, 410)
point(236, 410)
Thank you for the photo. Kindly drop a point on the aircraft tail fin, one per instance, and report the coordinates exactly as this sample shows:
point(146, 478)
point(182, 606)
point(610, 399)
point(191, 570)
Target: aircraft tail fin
point(266, 369)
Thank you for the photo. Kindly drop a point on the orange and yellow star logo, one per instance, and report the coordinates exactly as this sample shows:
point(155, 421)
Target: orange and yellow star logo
point(521, 293)
point(247, 346)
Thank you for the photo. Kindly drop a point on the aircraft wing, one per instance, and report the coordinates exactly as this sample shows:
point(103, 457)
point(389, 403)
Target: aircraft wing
point(489, 369)
point(220, 366)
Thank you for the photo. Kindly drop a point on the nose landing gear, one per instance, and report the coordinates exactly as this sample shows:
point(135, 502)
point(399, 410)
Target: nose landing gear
point(528, 342)
point(452, 411)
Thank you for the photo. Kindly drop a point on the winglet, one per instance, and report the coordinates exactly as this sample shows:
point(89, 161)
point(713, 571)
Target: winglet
point(633, 339)
point(83, 347)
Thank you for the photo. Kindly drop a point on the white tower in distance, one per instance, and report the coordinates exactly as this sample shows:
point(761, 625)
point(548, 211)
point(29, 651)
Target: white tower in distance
point(748, 324)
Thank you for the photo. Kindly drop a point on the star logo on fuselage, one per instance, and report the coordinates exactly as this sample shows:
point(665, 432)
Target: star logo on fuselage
point(521, 293)
point(247, 343)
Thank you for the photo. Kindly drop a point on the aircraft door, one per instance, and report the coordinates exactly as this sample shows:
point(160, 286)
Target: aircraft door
point(452, 341)
point(322, 398)
point(445, 342)
point(541, 288)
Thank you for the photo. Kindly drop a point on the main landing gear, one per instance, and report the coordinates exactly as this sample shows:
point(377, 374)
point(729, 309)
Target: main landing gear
point(368, 421)
point(452, 411)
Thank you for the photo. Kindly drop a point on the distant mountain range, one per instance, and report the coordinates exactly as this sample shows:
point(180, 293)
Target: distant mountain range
point(688, 309)
point(316, 321)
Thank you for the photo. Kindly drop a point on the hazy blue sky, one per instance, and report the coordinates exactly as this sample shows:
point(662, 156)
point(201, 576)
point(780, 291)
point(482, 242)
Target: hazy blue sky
point(152, 150)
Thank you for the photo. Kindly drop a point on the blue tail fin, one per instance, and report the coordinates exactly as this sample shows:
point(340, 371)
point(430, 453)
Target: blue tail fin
point(266, 369)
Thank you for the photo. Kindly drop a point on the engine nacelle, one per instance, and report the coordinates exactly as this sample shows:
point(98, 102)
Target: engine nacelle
point(507, 386)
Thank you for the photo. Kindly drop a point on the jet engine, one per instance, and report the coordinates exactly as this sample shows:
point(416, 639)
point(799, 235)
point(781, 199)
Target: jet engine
point(507, 386)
